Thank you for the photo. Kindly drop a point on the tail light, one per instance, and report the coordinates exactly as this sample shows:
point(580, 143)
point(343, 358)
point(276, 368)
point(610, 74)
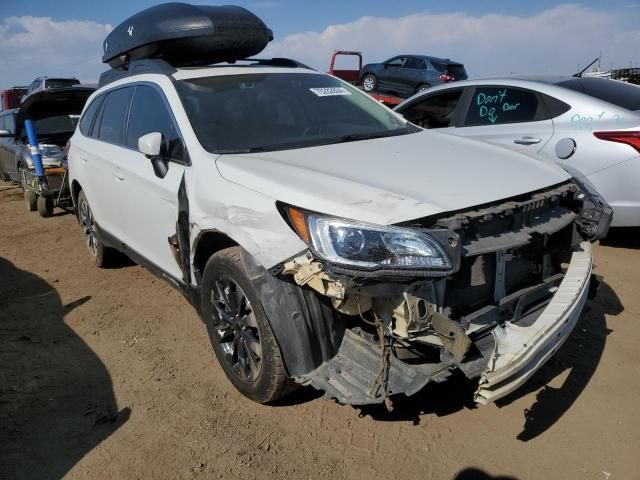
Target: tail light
point(630, 138)
point(446, 78)
point(67, 147)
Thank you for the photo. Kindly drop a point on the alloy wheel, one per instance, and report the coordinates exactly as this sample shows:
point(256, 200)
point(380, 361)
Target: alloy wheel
point(368, 84)
point(237, 329)
point(88, 227)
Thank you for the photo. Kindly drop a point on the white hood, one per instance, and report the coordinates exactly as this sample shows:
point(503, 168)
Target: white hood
point(393, 179)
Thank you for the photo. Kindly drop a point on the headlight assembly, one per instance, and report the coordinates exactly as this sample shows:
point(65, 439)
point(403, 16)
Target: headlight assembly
point(366, 246)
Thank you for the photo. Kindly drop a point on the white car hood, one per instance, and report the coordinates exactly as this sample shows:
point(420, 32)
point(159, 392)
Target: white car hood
point(393, 179)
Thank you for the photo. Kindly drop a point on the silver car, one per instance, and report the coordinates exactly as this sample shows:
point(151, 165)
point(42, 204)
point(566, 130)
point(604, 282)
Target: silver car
point(590, 126)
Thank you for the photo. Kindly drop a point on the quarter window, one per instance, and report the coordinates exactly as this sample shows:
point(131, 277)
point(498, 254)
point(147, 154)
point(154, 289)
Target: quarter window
point(149, 113)
point(113, 115)
point(435, 111)
point(499, 105)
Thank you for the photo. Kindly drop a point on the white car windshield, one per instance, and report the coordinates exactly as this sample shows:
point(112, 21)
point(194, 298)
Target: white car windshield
point(279, 111)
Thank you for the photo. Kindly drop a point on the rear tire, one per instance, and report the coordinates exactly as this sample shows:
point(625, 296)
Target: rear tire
point(369, 83)
point(98, 252)
point(45, 206)
point(239, 330)
point(423, 88)
point(31, 200)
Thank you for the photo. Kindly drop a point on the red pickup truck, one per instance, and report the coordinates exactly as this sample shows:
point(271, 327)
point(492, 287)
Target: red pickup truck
point(11, 97)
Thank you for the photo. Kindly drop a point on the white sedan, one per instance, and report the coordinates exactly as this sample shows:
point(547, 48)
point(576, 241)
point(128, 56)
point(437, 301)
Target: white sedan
point(590, 126)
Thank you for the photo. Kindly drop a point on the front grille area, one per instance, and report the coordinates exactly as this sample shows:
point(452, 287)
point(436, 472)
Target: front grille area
point(509, 246)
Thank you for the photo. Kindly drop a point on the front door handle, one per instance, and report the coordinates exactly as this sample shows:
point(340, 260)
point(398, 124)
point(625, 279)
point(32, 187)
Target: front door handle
point(117, 174)
point(527, 141)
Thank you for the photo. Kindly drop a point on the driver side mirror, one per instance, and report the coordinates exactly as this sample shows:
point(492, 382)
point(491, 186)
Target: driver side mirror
point(151, 146)
point(6, 133)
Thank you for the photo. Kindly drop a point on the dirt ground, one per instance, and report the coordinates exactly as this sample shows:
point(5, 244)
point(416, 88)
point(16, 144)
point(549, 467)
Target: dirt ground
point(109, 374)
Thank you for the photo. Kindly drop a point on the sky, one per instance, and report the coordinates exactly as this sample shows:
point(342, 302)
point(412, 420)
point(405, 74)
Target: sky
point(491, 37)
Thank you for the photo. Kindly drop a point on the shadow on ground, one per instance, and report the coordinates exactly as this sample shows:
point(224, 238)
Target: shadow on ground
point(56, 396)
point(477, 474)
point(628, 237)
point(580, 355)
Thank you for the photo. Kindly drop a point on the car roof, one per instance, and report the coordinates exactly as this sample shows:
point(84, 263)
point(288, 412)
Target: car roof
point(428, 57)
point(524, 81)
point(222, 70)
point(548, 84)
point(189, 73)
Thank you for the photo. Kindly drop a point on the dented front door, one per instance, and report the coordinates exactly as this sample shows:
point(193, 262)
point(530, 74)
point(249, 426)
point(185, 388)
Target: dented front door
point(151, 198)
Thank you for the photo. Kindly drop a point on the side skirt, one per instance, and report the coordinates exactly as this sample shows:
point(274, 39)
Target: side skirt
point(190, 292)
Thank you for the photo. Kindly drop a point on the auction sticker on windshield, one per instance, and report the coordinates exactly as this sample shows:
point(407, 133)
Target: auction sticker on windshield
point(330, 91)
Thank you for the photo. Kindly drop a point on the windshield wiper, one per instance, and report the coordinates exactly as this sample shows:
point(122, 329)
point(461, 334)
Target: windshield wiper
point(368, 136)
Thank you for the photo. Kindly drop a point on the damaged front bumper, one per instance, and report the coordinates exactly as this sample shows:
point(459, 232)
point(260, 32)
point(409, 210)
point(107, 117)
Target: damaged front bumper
point(520, 351)
point(512, 351)
point(520, 279)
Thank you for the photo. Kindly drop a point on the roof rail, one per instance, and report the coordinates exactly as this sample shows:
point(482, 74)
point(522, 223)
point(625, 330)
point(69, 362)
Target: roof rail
point(136, 67)
point(279, 62)
point(139, 67)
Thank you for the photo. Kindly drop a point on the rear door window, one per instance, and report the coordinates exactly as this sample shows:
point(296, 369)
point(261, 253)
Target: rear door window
point(494, 105)
point(622, 94)
point(150, 113)
point(10, 122)
point(435, 111)
point(415, 63)
point(112, 121)
point(90, 113)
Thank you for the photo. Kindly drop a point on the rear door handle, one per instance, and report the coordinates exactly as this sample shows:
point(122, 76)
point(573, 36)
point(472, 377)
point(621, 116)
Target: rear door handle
point(527, 141)
point(118, 174)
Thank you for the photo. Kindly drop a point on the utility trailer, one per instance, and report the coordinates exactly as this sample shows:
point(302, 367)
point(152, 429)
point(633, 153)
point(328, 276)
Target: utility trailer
point(45, 195)
point(353, 77)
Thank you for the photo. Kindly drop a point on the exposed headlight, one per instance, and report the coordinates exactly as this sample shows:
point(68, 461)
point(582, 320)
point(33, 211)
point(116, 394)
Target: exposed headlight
point(368, 246)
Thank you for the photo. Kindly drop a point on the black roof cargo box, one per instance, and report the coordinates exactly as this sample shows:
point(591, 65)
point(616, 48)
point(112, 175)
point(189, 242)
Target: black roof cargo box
point(187, 35)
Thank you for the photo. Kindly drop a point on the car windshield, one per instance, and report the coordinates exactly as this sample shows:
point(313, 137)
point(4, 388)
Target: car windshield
point(622, 94)
point(280, 111)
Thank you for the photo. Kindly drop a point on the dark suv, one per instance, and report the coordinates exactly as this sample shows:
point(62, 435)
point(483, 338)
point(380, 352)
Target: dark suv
point(405, 75)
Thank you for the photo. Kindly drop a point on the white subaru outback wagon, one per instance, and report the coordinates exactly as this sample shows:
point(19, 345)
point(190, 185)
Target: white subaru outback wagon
point(326, 241)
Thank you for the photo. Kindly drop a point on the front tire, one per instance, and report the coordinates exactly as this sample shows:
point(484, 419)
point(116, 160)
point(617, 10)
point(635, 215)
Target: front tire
point(239, 330)
point(369, 83)
point(98, 252)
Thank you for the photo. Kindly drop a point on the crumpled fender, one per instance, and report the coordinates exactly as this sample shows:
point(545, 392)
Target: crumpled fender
point(308, 330)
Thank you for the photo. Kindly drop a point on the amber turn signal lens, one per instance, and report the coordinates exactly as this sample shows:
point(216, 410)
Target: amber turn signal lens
point(299, 223)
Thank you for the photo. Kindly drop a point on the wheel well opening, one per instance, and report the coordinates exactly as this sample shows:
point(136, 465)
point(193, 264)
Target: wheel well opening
point(75, 191)
point(207, 244)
